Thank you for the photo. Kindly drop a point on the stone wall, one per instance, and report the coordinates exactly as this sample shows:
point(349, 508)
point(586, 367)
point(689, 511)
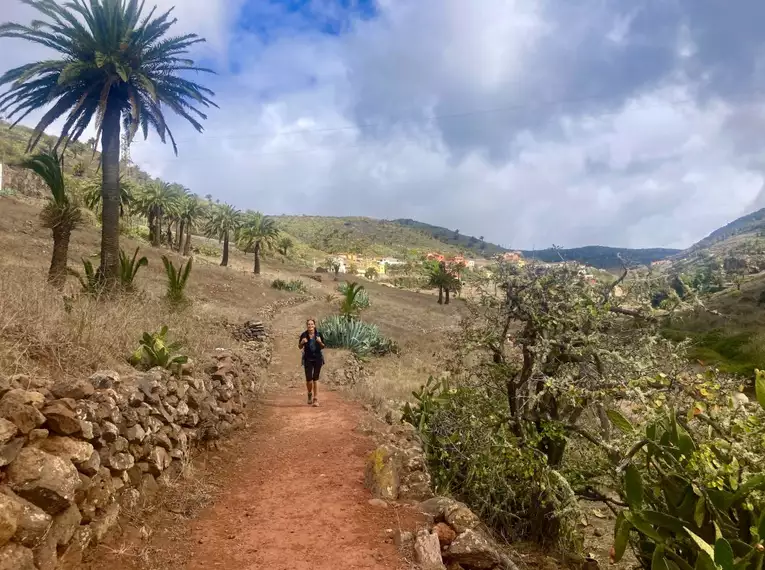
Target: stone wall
point(74, 453)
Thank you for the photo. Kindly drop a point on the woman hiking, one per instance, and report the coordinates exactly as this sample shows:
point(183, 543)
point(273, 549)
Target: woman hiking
point(311, 343)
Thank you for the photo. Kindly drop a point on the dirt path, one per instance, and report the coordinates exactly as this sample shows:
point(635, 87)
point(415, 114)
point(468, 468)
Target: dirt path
point(291, 487)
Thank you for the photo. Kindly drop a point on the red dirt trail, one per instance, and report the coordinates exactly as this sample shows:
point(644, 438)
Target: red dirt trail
point(299, 500)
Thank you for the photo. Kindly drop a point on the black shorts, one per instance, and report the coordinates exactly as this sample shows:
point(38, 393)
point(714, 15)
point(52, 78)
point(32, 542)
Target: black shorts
point(312, 370)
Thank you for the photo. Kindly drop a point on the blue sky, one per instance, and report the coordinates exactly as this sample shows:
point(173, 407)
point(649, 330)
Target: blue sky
point(530, 122)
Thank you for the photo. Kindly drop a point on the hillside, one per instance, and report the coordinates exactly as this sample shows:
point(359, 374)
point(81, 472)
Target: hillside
point(369, 236)
point(749, 224)
point(475, 245)
point(602, 257)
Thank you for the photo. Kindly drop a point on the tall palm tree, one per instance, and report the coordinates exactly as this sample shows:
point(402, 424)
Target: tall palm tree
point(440, 277)
point(223, 223)
point(192, 210)
point(156, 200)
point(93, 196)
point(116, 63)
point(60, 214)
point(257, 232)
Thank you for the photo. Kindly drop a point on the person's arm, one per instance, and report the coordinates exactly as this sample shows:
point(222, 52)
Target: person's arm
point(303, 340)
point(319, 340)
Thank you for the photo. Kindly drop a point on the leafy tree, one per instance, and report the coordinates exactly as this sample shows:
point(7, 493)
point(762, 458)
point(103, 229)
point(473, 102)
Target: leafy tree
point(116, 64)
point(333, 264)
point(60, 214)
point(370, 273)
point(285, 244)
point(257, 232)
point(439, 276)
point(223, 223)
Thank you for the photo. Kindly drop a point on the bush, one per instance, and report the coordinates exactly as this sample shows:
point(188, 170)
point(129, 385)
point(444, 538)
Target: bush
point(294, 285)
point(154, 350)
point(360, 337)
point(473, 456)
point(360, 298)
point(129, 268)
point(206, 250)
point(177, 279)
point(89, 280)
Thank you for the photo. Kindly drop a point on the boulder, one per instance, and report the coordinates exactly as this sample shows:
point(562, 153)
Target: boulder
point(74, 389)
point(135, 433)
point(45, 480)
point(62, 417)
point(472, 550)
point(19, 397)
point(445, 533)
point(437, 507)
point(75, 450)
point(60, 534)
point(159, 460)
point(10, 451)
point(71, 556)
point(461, 518)
point(105, 522)
point(381, 474)
point(121, 461)
point(10, 511)
point(31, 523)
point(105, 379)
point(427, 551)
point(16, 557)
point(91, 466)
point(8, 431)
point(20, 407)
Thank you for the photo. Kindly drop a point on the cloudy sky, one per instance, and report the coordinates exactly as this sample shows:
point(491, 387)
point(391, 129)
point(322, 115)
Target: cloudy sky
point(531, 122)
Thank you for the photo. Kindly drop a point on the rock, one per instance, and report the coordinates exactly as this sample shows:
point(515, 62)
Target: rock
point(10, 451)
point(381, 474)
point(71, 556)
point(121, 461)
point(61, 417)
point(45, 480)
point(8, 430)
point(37, 435)
point(472, 550)
point(16, 557)
point(60, 534)
point(149, 487)
point(445, 533)
point(74, 389)
point(31, 522)
point(75, 450)
point(87, 430)
point(403, 539)
point(105, 379)
point(159, 460)
point(20, 407)
point(109, 432)
point(105, 522)
point(427, 551)
point(135, 433)
point(460, 518)
point(379, 503)
point(10, 511)
point(6, 385)
point(437, 507)
point(91, 466)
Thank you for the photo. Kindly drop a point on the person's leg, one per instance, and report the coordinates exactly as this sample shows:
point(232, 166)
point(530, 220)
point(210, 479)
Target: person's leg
point(308, 367)
point(315, 375)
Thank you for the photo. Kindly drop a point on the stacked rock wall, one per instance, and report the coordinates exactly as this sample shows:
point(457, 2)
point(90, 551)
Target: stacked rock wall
point(74, 453)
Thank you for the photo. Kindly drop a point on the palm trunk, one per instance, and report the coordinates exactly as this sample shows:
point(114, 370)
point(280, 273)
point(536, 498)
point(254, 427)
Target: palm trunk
point(159, 230)
point(110, 196)
point(57, 271)
point(179, 236)
point(440, 295)
point(152, 227)
point(256, 269)
point(187, 244)
point(224, 261)
point(447, 296)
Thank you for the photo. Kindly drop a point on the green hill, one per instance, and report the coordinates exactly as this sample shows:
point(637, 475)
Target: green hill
point(602, 257)
point(360, 235)
point(453, 238)
point(753, 223)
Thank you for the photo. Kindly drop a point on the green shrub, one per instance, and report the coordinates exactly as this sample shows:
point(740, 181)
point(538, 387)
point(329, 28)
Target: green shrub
point(206, 250)
point(154, 350)
point(294, 285)
point(134, 231)
point(176, 279)
point(89, 280)
point(473, 456)
point(360, 297)
point(129, 268)
point(360, 337)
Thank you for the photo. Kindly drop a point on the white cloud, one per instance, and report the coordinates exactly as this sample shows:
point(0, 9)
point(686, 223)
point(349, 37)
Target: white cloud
point(528, 122)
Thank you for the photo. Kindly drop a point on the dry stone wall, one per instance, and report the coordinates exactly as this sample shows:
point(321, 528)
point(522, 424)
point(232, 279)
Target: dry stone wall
point(74, 453)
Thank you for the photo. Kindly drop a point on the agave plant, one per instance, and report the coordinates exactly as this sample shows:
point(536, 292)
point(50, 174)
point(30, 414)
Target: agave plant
point(90, 281)
point(129, 267)
point(355, 335)
point(154, 350)
point(177, 279)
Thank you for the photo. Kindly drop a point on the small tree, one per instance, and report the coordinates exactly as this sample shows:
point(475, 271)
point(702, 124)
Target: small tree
point(333, 264)
point(223, 223)
point(257, 232)
point(370, 273)
point(285, 244)
point(353, 300)
point(59, 214)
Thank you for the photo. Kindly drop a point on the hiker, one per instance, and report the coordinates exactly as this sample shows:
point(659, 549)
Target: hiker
point(311, 343)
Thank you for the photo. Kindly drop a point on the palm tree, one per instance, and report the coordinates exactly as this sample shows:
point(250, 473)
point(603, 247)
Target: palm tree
point(117, 64)
point(60, 214)
point(441, 278)
point(285, 244)
point(93, 196)
point(350, 307)
point(257, 231)
point(156, 200)
point(224, 221)
point(192, 211)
